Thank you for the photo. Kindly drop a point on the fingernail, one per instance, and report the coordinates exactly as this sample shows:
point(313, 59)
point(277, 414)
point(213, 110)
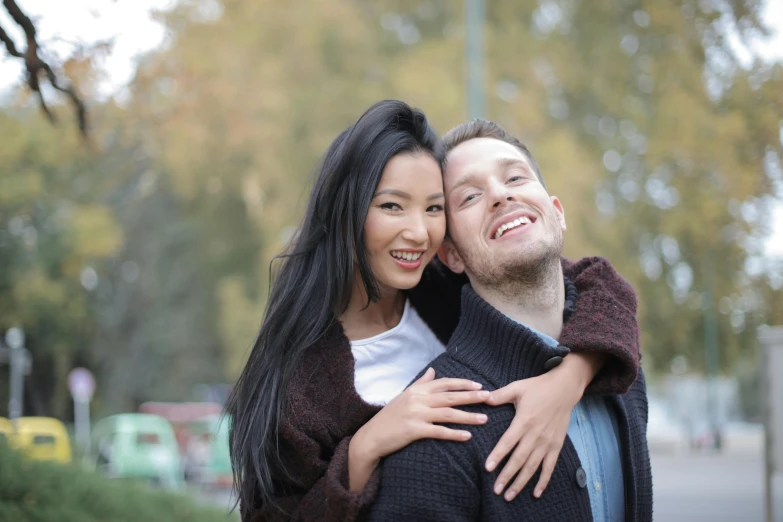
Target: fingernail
point(537, 493)
point(483, 394)
point(499, 488)
point(481, 417)
point(510, 495)
point(465, 435)
point(491, 465)
point(477, 385)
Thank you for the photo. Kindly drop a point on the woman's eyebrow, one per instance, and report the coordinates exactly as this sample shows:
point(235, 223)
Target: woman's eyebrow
point(435, 196)
point(393, 192)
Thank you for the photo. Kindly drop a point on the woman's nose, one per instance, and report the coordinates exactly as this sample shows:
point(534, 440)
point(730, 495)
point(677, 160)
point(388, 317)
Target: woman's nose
point(416, 230)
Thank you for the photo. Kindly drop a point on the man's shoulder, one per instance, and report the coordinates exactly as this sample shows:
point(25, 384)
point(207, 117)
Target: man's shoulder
point(445, 365)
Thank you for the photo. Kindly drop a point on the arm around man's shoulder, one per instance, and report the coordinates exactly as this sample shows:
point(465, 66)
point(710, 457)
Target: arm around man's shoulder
point(603, 322)
point(429, 480)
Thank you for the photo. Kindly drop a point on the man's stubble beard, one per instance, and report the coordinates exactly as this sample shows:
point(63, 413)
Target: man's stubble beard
point(532, 272)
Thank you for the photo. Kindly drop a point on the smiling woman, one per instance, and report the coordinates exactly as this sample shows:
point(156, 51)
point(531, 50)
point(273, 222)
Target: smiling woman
point(406, 221)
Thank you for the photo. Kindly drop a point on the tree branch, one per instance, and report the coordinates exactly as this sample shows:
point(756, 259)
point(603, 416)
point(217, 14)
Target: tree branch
point(35, 66)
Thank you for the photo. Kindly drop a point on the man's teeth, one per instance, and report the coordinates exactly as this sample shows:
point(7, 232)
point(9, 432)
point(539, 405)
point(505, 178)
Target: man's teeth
point(517, 222)
point(406, 256)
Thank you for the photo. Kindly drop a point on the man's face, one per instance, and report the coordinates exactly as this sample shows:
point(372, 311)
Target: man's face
point(502, 222)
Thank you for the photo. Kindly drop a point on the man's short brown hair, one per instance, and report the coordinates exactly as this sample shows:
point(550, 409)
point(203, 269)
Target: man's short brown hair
point(479, 128)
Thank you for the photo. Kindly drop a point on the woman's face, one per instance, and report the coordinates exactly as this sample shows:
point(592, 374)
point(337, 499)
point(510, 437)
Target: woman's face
point(406, 222)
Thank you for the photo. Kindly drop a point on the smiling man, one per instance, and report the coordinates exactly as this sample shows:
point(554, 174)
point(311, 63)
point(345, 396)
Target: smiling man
point(506, 233)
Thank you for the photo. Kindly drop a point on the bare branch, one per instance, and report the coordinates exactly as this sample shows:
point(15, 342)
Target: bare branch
point(9, 44)
point(35, 66)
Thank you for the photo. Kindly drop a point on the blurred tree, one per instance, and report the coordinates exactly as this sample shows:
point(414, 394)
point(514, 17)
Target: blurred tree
point(664, 147)
point(54, 230)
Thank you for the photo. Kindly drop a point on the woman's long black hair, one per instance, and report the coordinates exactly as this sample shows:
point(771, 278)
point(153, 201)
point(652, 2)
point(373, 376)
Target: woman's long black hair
point(313, 286)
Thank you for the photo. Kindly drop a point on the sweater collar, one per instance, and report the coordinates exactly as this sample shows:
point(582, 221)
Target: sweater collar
point(500, 348)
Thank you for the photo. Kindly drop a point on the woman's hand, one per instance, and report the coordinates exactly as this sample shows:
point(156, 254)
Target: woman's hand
point(538, 431)
point(411, 416)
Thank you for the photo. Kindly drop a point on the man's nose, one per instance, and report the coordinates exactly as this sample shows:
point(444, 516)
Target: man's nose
point(500, 194)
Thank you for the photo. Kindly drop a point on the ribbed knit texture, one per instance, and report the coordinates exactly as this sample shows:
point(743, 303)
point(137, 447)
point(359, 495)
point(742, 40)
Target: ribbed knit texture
point(324, 410)
point(433, 480)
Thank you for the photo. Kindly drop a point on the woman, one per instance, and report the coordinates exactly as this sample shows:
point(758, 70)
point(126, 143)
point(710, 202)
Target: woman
point(356, 312)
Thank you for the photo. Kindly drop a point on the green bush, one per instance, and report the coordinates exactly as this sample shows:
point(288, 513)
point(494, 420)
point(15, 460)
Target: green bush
point(33, 491)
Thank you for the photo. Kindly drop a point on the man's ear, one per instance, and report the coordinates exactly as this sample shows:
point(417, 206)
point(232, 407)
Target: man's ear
point(560, 211)
point(448, 255)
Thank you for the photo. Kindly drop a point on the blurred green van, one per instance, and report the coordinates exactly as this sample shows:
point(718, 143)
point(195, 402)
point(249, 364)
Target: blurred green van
point(136, 446)
point(207, 459)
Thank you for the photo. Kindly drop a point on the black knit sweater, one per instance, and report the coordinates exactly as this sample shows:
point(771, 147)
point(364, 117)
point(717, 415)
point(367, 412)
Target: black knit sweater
point(434, 480)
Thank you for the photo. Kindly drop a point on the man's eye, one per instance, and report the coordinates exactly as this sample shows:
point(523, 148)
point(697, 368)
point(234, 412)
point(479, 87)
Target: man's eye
point(469, 198)
point(435, 208)
point(514, 178)
point(391, 206)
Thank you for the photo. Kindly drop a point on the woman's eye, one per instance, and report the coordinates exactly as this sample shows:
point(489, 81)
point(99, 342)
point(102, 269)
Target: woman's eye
point(391, 206)
point(435, 208)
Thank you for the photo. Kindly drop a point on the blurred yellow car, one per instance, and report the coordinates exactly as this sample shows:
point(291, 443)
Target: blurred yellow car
point(6, 430)
point(42, 438)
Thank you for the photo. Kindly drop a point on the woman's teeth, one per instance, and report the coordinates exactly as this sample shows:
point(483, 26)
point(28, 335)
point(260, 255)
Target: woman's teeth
point(508, 226)
point(406, 256)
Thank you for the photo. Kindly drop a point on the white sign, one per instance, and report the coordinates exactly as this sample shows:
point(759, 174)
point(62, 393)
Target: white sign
point(81, 384)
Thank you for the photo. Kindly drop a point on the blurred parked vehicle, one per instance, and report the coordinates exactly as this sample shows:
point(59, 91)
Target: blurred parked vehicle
point(180, 415)
point(207, 461)
point(137, 446)
point(664, 434)
point(41, 438)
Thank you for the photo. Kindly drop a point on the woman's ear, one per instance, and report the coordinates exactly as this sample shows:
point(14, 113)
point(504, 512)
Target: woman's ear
point(448, 255)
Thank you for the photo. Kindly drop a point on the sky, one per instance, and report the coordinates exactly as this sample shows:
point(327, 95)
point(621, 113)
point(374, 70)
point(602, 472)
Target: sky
point(63, 26)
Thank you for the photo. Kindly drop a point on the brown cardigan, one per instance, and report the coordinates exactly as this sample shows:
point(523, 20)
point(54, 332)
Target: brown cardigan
point(324, 410)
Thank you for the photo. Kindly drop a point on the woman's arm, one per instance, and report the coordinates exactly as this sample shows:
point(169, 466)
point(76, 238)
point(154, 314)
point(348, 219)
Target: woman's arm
point(603, 323)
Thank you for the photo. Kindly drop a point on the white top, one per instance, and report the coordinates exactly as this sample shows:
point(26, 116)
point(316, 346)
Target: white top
point(387, 363)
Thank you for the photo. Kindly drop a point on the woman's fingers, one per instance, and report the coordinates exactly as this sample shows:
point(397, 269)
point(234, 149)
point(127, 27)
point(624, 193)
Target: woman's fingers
point(428, 376)
point(547, 468)
point(449, 384)
point(528, 470)
point(515, 462)
point(433, 431)
point(456, 398)
point(507, 442)
point(455, 416)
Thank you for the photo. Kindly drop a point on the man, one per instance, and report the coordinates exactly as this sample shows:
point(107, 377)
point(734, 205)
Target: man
point(506, 234)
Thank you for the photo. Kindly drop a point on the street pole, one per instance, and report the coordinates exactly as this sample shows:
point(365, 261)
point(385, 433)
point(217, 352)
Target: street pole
point(14, 339)
point(81, 419)
point(771, 342)
point(711, 347)
point(474, 58)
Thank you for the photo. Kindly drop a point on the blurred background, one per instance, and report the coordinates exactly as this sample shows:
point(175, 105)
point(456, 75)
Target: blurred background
point(141, 251)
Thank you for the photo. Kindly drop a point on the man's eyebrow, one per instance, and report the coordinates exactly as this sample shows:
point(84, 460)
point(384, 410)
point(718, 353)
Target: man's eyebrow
point(393, 192)
point(513, 162)
point(466, 179)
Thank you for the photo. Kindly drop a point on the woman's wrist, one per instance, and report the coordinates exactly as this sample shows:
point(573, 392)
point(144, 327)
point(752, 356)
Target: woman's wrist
point(580, 369)
point(362, 460)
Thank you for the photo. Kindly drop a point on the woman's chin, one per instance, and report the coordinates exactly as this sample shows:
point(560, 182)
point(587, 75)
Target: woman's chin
point(402, 282)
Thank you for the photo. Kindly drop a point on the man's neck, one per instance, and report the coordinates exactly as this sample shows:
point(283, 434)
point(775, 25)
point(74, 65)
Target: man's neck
point(537, 304)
